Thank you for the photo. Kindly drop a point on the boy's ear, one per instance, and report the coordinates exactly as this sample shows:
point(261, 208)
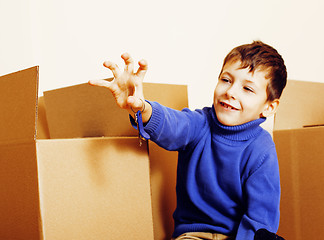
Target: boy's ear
point(270, 108)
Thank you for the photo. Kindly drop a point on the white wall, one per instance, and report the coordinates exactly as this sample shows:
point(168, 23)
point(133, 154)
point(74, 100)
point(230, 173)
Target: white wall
point(184, 41)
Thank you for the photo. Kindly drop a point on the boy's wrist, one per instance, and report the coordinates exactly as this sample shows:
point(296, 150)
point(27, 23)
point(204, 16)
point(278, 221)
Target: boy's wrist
point(146, 111)
point(141, 109)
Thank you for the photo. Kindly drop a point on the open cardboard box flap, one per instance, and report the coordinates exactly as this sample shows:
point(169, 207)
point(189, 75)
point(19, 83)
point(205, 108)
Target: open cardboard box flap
point(18, 104)
point(88, 111)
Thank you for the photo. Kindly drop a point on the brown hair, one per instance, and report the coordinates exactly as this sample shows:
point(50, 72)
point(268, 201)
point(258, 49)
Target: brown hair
point(259, 55)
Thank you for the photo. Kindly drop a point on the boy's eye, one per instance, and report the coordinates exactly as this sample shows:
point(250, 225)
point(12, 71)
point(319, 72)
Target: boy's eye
point(225, 80)
point(248, 89)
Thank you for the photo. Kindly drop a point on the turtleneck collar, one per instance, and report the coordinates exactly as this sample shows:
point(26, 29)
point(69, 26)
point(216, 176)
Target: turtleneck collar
point(241, 132)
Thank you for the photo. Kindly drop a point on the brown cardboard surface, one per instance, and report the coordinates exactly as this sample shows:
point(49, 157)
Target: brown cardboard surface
point(301, 105)
point(19, 202)
point(88, 111)
point(170, 95)
point(301, 156)
point(96, 188)
point(42, 126)
point(18, 105)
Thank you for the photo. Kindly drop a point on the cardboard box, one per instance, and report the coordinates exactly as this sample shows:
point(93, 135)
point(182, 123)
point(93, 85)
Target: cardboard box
point(82, 111)
point(299, 139)
point(80, 178)
point(67, 188)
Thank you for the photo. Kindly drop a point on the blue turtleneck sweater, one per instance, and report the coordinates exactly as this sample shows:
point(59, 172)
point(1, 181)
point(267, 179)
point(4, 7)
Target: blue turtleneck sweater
point(227, 176)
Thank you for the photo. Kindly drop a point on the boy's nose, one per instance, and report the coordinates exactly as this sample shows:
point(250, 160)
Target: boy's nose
point(231, 92)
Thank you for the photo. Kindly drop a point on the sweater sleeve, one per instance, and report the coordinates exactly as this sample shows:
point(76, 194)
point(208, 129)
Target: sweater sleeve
point(262, 195)
point(173, 129)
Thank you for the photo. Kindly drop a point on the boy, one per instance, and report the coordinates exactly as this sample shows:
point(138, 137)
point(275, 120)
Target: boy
point(228, 176)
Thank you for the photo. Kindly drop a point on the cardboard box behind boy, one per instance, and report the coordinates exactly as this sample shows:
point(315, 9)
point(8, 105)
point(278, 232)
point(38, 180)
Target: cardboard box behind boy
point(299, 140)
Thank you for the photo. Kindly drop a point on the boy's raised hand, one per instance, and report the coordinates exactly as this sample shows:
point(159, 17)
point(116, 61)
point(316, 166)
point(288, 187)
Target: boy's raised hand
point(127, 86)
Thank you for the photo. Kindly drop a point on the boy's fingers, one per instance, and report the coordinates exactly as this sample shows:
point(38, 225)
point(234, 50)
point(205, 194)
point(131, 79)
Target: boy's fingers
point(143, 66)
point(136, 103)
point(100, 83)
point(113, 67)
point(129, 63)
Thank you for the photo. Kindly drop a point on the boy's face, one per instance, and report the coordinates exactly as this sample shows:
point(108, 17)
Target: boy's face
point(240, 96)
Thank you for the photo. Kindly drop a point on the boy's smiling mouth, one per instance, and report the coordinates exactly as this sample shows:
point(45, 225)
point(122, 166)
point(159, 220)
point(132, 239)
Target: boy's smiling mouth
point(228, 106)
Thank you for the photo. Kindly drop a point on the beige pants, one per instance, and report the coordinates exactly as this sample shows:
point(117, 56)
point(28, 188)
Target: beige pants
point(202, 236)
